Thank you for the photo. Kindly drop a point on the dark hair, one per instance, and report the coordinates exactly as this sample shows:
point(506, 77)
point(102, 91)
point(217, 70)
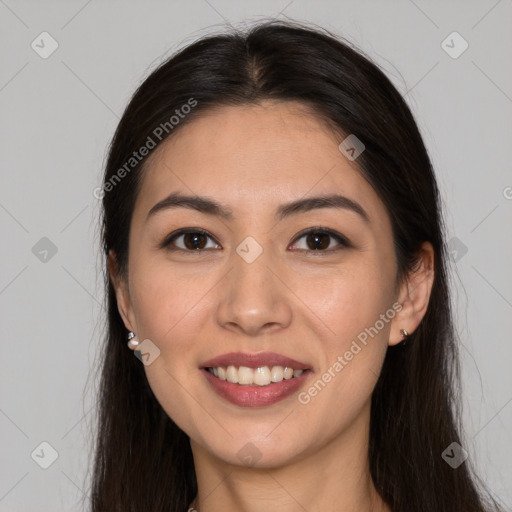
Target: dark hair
point(143, 461)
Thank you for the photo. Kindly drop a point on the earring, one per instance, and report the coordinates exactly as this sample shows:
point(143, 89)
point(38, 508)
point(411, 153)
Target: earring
point(405, 335)
point(132, 342)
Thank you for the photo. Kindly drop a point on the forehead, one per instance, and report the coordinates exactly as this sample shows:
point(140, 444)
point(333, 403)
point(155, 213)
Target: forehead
point(256, 157)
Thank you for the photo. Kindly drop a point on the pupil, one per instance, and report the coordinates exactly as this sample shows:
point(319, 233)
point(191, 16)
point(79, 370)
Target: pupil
point(191, 239)
point(320, 241)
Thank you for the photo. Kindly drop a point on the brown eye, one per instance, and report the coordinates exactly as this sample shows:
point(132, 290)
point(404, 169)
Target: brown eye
point(317, 241)
point(189, 240)
point(320, 241)
point(194, 240)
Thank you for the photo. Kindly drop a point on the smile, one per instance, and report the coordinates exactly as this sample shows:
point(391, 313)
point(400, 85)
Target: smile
point(261, 376)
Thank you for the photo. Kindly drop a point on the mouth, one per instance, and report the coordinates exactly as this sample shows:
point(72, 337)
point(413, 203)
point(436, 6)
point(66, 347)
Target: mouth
point(260, 376)
point(252, 380)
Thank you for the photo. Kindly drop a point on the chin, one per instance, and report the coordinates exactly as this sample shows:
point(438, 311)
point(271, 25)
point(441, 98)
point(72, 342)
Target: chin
point(261, 451)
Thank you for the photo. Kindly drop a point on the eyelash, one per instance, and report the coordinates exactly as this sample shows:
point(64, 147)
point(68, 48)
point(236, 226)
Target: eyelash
point(343, 242)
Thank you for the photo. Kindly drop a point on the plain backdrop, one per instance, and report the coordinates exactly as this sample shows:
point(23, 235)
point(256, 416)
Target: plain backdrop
point(58, 114)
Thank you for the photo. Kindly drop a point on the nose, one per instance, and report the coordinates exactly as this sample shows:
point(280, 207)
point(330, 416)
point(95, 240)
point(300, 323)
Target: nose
point(253, 300)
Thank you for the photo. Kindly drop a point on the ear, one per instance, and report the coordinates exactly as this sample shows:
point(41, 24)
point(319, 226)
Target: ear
point(120, 285)
point(414, 295)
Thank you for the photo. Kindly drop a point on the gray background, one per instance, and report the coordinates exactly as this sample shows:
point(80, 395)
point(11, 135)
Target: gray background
point(57, 117)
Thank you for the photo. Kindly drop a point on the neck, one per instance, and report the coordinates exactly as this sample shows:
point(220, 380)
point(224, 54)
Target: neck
point(337, 473)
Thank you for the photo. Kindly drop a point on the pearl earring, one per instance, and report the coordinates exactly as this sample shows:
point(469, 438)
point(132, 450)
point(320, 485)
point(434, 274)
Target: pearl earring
point(132, 342)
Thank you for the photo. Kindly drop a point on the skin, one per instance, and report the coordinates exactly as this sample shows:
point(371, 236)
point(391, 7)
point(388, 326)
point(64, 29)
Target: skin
point(309, 305)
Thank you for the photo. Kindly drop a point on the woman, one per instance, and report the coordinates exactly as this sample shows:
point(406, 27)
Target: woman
point(276, 261)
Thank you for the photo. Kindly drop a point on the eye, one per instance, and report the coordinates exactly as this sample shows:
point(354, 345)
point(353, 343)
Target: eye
point(315, 240)
point(320, 240)
point(189, 239)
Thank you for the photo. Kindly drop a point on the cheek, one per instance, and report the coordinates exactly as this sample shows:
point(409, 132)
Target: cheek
point(169, 306)
point(165, 297)
point(355, 304)
point(349, 298)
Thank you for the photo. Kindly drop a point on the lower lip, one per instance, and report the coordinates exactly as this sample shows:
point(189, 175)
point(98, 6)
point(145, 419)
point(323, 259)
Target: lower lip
point(255, 396)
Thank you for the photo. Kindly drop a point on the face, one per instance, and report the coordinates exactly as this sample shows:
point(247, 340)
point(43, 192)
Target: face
point(309, 286)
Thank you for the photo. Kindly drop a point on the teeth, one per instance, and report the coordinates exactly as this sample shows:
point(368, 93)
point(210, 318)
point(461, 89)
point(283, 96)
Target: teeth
point(232, 375)
point(261, 376)
point(245, 375)
point(276, 374)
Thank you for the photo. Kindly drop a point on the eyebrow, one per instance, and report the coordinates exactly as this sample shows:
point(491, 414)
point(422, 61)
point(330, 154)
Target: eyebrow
point(211, 207)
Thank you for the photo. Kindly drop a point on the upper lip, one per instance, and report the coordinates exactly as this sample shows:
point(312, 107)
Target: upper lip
point(254, 360)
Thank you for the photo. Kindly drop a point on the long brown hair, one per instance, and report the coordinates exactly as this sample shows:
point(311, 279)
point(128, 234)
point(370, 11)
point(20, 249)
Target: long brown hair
point(143, 461)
